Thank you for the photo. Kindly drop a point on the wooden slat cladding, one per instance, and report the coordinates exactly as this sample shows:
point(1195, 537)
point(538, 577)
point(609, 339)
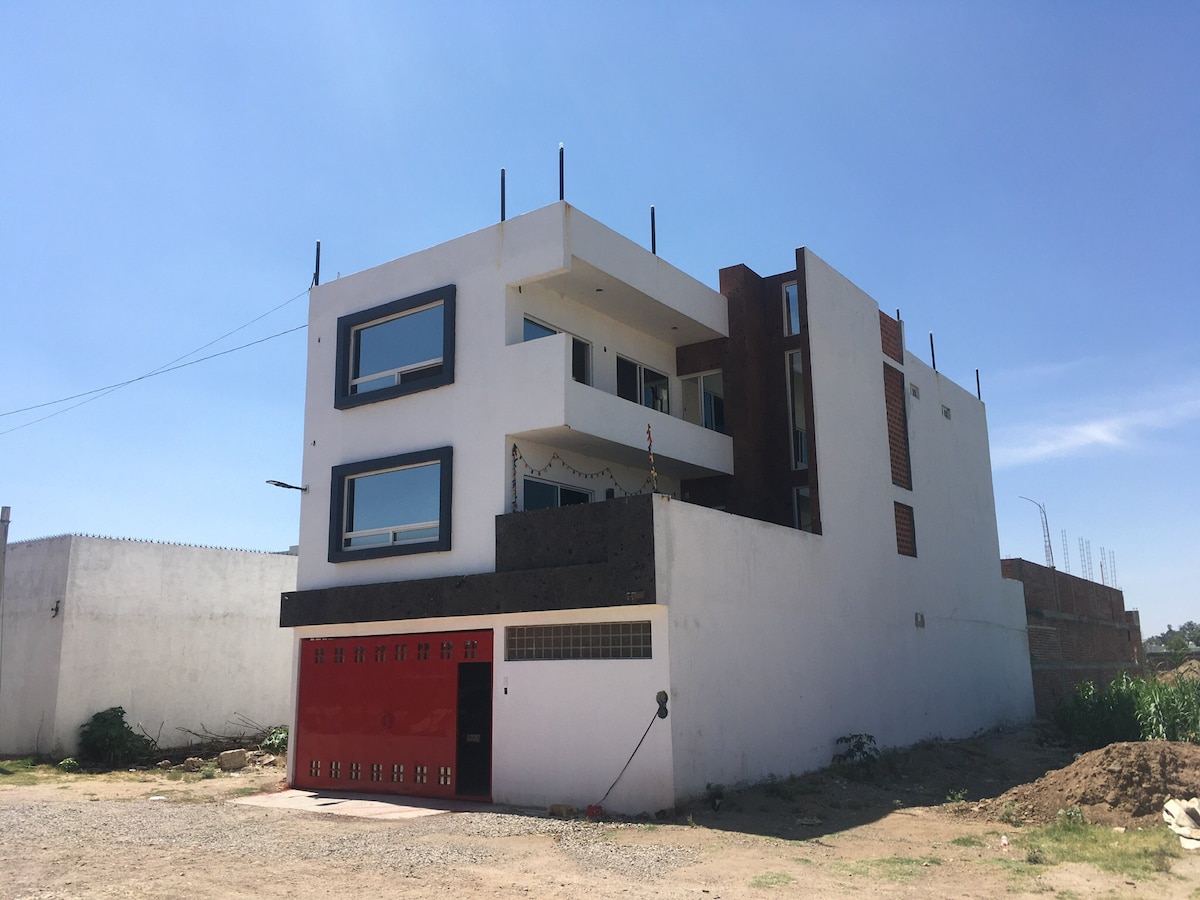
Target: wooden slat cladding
point(889, 336)
point(906, 531)
point(897, 426)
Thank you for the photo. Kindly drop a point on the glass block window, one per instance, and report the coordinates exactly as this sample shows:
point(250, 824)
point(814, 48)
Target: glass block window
point(591, 640)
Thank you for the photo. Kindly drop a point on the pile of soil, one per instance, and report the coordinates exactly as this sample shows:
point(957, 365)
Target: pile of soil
point(1190, 669)
point(1124, 784)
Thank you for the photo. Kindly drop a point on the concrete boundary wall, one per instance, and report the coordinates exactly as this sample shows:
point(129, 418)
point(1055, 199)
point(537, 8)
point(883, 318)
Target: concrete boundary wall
point(180, 636)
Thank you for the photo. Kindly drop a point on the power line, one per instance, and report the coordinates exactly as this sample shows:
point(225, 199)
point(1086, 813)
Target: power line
point(163, 367)
point(97, 393)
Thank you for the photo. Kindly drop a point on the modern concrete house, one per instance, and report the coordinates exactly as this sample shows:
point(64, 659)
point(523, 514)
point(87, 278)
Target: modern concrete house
point(180, 636)
point(551, 476)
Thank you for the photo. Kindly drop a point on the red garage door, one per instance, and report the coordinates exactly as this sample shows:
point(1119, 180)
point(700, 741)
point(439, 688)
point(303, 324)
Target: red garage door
point(396, 714)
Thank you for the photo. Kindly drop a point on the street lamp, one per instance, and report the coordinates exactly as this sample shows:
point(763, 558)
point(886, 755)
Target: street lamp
point(284, 484)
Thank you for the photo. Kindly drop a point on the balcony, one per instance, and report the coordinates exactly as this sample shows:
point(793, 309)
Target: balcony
point(560, 412)
point(611, 274)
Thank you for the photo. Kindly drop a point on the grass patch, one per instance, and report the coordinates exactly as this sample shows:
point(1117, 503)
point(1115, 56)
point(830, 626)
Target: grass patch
point(251, 791)
point(25, 771)
point(1136, 854)
point(891, 868)
point(771, 879)
point(967, 841)
point(788, 788)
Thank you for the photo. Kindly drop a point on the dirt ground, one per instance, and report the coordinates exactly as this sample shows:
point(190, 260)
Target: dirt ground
point(944, 819)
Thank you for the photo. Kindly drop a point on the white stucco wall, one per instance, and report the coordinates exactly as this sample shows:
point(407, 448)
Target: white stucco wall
point(781, 641)
point(181, 637)
point(825, 625)
point(562, 730)
point(35, 579)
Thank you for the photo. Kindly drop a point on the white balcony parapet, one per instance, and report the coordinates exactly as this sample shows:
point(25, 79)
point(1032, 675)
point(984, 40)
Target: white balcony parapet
point(559, 411)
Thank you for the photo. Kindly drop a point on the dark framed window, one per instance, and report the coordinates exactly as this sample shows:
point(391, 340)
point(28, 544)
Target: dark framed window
point(398, 348)
point(791, 308)
point(802, 508)
point(391, 506)
point(643, 385)
point(548, 495)
point(590, 640)
point(798, 412)
point(704, 401)
point(581, 350)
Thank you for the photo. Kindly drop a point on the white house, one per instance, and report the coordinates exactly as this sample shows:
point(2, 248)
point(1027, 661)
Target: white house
point(497, 578)
point(180, 636)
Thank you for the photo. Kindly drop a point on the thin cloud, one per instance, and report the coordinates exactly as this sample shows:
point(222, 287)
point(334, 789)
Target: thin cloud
point(1037, 442)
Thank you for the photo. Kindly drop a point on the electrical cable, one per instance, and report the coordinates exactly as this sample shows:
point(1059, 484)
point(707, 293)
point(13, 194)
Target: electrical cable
point(96, 393)
point(104, 391)
point(628, 761)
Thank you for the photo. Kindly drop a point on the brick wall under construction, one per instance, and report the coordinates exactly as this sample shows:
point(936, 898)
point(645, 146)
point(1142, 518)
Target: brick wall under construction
point(1078, 631)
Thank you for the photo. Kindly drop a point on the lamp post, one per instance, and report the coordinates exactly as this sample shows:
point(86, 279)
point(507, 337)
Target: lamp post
point(4, 520)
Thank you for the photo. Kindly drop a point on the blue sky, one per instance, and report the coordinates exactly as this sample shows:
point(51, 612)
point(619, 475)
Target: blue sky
point(1021, 179)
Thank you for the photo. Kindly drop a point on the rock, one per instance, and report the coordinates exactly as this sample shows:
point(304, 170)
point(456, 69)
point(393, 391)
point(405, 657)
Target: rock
point(232, 759)
point(164, 764)
point(1183, 818)
point(266, 760)
point(192, 764)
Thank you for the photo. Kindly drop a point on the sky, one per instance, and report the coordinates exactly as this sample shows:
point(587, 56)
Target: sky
point(1021, 179)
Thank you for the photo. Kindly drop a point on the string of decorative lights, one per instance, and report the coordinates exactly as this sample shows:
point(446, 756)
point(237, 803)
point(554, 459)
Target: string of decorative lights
point(518, 458)
point(650, 450)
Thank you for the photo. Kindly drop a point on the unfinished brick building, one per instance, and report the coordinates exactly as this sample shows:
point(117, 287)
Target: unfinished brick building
point(1078, 631)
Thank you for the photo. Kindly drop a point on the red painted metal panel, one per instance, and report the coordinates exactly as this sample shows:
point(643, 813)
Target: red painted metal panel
point(378, 713)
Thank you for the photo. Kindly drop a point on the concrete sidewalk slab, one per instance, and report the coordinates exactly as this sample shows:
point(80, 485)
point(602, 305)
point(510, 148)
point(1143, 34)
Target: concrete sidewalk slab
point(364, 806)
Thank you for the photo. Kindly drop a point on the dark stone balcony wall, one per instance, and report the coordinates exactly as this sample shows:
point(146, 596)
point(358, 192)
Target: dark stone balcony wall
point(579, 557)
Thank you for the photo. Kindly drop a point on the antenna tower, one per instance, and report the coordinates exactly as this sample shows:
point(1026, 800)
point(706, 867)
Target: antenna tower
point(1112, 568)
point(1103, 567)
point(1082, 561)
point(1090, 575)
point(1066, 555)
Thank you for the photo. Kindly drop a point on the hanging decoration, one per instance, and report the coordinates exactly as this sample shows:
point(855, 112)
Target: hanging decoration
point(650, 450)
point(515, 454)
point(557, 461)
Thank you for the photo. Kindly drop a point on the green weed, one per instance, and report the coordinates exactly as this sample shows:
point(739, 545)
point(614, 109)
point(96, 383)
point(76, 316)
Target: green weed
point(771, 879)
point(1132, 709)
point(967, 841)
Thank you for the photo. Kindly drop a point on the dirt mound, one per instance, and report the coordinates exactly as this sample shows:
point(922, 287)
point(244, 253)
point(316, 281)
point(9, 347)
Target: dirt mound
point(1121, 784)
point(1190, 669)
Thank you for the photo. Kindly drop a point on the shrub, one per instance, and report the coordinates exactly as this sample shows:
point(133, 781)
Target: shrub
point(276, 740)
point(858, 760)
point(107, 738)
point(69, 765)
